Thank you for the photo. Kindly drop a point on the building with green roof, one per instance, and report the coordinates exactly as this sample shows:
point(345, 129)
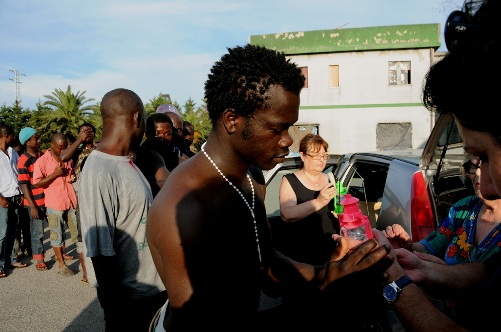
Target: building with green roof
point(363, 85)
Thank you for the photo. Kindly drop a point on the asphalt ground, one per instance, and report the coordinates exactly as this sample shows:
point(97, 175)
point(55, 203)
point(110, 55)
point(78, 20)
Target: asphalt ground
point(32, 300)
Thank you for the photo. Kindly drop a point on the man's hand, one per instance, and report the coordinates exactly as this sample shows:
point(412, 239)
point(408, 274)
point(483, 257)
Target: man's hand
point(34, 212)
point(412, 264)
point(429, 257)
point(394, 271)
point(4, 202)
point(352, 243)
point(365, 255)
point(85, 133)
point(59, 170)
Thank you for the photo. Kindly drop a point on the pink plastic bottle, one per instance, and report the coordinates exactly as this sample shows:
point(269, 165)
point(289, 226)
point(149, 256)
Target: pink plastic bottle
point(353, 223)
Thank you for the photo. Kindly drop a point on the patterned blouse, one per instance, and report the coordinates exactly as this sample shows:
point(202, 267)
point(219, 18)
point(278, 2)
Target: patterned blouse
point(454, 240)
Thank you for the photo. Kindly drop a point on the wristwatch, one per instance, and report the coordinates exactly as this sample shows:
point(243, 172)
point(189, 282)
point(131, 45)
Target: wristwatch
point(393, 289)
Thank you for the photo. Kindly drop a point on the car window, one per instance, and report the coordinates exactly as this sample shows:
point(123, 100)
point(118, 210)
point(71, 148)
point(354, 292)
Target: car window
point(273, 184)
point(365, 180)
point(272, 193)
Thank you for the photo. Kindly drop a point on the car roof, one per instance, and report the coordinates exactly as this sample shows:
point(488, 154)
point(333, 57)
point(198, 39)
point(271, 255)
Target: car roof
point(443, 138)
point(409, 155)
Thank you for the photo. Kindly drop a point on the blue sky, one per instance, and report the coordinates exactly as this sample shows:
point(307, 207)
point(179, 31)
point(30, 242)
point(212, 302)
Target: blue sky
point(154, 47)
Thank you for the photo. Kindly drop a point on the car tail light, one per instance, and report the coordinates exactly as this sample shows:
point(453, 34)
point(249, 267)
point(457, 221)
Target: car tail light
point(422, 219)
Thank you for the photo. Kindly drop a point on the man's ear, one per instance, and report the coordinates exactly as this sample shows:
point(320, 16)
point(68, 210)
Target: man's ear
point(138, 118)
point(231, 120)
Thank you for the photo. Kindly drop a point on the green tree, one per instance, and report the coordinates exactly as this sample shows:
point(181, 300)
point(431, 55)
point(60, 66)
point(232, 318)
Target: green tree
point(64, 112)
point(199, 118)
point(96, 119)
point(14, 116)
point(162, 98)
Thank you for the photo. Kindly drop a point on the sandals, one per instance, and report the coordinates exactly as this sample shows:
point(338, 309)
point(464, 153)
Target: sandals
point(14, 265)
point(66, 271)
point(41, 266)
point(2, 274)
point(84, 281)
point(67, 257)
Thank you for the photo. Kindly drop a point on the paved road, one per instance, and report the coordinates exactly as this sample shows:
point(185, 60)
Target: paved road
point(32, 300)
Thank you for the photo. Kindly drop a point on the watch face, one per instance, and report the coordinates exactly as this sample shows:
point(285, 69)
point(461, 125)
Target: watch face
point(389, 293)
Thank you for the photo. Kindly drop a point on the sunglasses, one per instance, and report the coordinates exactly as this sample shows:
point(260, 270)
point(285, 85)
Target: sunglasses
point(458, 24)
point(470, 167)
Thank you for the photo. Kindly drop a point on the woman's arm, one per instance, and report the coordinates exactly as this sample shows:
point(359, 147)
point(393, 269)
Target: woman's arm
point(291, 211)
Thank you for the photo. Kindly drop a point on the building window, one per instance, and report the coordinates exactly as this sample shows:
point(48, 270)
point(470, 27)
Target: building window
point(399, 72)
point(334, 76)
point(304, 71)
point(393, 136)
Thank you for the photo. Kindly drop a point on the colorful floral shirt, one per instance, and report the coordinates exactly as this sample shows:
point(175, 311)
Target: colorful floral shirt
point(454, 240)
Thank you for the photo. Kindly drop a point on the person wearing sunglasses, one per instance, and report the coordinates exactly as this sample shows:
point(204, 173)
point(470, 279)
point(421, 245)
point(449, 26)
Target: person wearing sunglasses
point(460, 84)
point(160, 137)
point(470, 233)
point(177, 140)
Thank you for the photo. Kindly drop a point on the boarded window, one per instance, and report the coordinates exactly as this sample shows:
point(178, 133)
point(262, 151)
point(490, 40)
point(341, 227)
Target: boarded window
point(393, 136)
point(304, 71)
point(399, 72)
point(334, 76)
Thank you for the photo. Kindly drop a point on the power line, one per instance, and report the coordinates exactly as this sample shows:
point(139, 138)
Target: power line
point(16, 80)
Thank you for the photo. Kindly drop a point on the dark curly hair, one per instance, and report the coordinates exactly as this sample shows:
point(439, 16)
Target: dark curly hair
point(153, 119)
point(87, 124)
point(465, 82)
point(241, 79)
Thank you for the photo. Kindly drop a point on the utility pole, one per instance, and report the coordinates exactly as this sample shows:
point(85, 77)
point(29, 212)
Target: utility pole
point(16, 80)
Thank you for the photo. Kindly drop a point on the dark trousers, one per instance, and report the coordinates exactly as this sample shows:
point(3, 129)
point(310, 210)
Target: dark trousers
point(129, 314)
point(23, 233)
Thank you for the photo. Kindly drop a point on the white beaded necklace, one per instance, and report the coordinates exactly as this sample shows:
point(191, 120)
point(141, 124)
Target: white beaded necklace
point(251, 209)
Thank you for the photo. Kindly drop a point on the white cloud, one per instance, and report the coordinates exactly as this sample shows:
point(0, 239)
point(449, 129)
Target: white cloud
point(161, 46)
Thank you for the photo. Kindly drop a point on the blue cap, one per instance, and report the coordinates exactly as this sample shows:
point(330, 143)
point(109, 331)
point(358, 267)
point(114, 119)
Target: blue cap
point(25, 134)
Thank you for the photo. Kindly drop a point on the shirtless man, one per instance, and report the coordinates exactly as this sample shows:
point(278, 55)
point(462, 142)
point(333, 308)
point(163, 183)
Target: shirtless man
point(207, 228)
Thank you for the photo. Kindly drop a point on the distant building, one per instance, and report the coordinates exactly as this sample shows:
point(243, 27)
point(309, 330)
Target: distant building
point(363, 85)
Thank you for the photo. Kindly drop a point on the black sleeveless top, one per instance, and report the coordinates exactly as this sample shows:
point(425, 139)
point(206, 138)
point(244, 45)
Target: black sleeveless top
point(308, 240)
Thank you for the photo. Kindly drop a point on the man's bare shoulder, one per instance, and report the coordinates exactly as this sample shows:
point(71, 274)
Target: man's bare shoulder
point(183, 187)
point(183, 203)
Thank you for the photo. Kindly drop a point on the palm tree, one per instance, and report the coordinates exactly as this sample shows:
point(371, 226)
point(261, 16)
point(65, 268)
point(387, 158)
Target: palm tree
point(63, 112)
point(199, 118)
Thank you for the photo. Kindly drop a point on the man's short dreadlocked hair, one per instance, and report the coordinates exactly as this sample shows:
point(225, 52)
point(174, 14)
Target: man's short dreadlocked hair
point(241, 79)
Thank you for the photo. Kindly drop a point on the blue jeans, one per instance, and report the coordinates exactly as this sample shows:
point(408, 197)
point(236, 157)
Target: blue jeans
point(8, 228)
point(56, 219)
point(37, 234)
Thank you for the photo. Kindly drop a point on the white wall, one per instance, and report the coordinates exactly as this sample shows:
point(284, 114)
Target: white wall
point(364, 96)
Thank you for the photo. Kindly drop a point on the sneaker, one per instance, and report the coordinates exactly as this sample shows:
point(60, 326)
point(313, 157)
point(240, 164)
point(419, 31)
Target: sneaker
point(66, 271)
